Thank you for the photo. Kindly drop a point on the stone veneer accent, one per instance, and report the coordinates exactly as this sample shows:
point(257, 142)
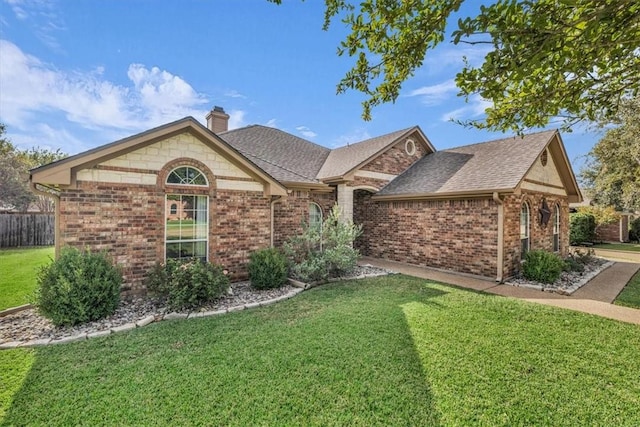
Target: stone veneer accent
point(457, 235)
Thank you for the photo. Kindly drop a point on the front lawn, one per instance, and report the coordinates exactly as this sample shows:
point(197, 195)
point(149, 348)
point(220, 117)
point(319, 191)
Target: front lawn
point(629, 247)
point(18, 269)
point(630, 295)
point(386, 351)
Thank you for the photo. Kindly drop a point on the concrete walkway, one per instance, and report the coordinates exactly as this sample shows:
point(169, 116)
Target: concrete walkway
point(595, 297)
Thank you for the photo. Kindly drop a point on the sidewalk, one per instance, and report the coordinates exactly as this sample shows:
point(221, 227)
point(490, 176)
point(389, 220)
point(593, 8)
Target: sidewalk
point(595, 297)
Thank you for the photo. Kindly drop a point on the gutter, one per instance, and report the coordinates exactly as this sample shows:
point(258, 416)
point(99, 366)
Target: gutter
point(56, 198)
point(500, 261)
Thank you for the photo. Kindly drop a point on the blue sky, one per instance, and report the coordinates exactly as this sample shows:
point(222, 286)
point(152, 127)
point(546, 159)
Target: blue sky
point(76, 75)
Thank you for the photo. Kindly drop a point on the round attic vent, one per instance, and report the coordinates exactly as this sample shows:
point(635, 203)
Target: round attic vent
point(410, 147)
point(544, 157)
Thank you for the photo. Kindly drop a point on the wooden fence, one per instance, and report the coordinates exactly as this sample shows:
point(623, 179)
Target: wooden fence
point(26, 229)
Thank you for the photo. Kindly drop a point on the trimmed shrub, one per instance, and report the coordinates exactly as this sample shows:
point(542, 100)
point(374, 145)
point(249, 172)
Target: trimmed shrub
point(582, 228)
point(318, 254)
point(187, 283)
point(78, 287)
point(542, 266)
point(634, 230)
point(268, 268)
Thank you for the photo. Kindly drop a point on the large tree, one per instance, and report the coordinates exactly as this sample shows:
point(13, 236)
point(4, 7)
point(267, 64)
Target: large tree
point(14, 174)
point(569, 59)
point(612, 175)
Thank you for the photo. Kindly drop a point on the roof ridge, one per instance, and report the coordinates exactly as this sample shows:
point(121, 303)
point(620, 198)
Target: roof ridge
point(279, 130)
point(399, 131)
point(500, 139)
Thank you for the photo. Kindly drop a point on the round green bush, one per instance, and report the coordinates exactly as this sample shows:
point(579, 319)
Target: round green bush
point(582, 228)
point(188, 283)
point(78, 287)
point(268, 268)
point(542, 266)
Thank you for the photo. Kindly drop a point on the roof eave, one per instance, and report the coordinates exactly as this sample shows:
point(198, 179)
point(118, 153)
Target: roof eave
point(448, 195)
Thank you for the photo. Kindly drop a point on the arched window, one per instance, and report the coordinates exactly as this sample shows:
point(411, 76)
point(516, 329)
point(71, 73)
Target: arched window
point(187, 235)
point(525, 221)
point(186, 175)
point(315, 216)
point(556, 229)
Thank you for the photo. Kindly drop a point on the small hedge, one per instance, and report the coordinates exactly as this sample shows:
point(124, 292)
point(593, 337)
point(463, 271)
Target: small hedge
point(268, 268)
point(78, 287)
point(634, 230)
point(582, 228)
point(187, 283)
point(542, 266)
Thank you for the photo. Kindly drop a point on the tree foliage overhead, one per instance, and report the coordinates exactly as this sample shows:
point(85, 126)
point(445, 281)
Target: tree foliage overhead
point(612, 174)
point(14, 174)
point(569, 59)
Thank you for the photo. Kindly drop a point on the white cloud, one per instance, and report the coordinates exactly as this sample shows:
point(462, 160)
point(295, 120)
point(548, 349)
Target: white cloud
point(234, 94)
point(306, 132)
point(474, 108)
point(352, 137)
point(36, 92)
point(236, 119)
point(272, 123)
point(435, 94)
point(41, 17)
point(453, 56)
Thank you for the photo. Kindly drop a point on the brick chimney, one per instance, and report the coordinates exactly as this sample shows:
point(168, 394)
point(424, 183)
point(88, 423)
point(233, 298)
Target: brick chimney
point(218, 120)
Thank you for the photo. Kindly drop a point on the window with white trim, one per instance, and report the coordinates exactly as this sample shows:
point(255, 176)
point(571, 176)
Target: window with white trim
point(187, 234)
point(315, 216)
point(556, 229)
point(525, 222)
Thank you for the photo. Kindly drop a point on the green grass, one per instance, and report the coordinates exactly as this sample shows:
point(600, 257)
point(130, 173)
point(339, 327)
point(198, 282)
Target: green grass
point(630, 295)
point(629, 247)
point(385, 351)
point(18, 269)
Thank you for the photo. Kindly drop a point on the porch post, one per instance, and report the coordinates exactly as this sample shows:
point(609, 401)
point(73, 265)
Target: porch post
point(345, 201)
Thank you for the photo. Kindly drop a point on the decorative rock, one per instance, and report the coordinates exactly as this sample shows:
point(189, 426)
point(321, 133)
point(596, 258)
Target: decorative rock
point(174, 315)
point(99, 334)
point(145, 321)
point(123, 328)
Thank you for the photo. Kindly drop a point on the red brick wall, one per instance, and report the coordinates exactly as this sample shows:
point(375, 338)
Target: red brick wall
point(611, 232)
point(458, 235)
point(541, 237)
point(290, 212)
point(395, 160)
point(125, 220)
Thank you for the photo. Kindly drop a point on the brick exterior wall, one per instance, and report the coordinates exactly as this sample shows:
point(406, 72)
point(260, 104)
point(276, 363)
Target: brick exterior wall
point(540, 237)
point(458, 235)
point(615, 232)
point(395, 160)
point(290, 212)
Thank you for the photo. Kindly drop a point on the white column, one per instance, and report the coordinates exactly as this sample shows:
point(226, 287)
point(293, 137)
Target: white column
point(345, 201)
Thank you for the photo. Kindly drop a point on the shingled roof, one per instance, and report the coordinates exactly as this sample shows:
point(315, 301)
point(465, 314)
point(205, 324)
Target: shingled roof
point(284, 156)
point(344, 159)
point(498, 165)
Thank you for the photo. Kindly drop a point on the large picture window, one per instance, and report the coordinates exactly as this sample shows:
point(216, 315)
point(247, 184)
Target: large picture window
point(187, 216)
point(524, 230)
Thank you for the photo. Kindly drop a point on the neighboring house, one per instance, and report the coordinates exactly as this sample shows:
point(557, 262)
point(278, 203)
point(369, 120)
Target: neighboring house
point(474, 209)
point(615, 232)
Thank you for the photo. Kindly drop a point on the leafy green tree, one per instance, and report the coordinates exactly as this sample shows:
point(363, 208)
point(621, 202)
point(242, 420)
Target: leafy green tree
point(612, 174)
point(571, 60)
point(14, 174)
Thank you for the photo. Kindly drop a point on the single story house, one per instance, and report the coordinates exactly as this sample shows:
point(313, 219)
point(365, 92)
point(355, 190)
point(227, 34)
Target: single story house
point(186, 190)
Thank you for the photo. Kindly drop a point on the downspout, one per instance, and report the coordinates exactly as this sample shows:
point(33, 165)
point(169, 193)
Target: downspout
point(273, 203)
point(500, 266)
point(56, 200)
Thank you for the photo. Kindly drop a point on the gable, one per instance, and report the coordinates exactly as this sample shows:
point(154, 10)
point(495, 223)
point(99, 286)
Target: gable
point(544, 176)
point(397, 158)
point(139, 157)
point(141, 166)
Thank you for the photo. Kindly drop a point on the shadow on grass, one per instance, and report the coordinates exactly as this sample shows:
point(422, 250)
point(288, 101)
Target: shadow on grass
point(337, 354)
